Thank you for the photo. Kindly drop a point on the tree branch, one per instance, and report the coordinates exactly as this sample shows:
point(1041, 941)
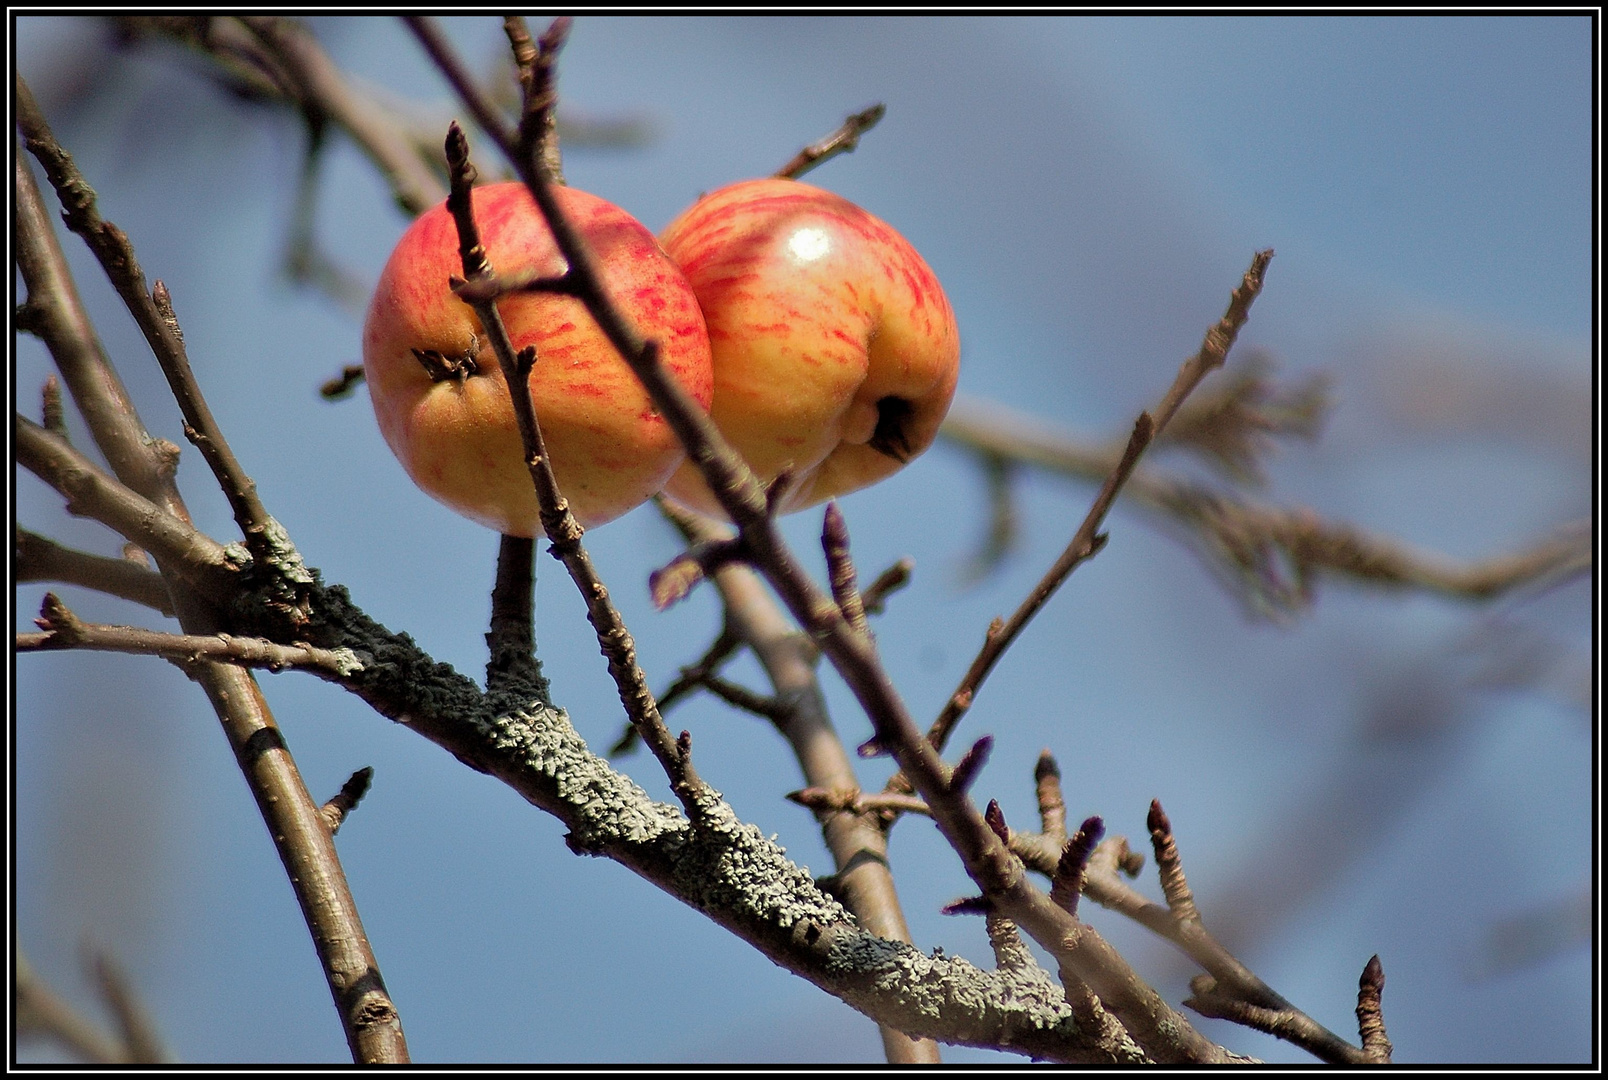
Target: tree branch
point(154, 515)
point(42, 559)
point(65, 630)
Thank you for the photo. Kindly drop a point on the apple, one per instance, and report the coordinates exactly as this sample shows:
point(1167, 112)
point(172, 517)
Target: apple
point(439, 393)
point(835, 349)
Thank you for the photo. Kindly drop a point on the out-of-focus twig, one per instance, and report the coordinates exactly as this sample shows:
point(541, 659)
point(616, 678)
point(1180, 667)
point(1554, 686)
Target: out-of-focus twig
point(1270, 557)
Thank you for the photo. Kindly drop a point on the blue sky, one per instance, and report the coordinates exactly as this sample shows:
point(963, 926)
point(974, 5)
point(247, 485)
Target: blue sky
point(1089, 190)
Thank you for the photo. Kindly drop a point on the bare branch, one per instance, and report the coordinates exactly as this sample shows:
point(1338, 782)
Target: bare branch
point(42, 1013)
point(91, 493)
point(152, 312)
point(1270, 557)
point(1088, 540)
point(558, 523)
point(41, 559)
point(64, 630)
point(322, 90)
point(154, 515)
point(841, 141)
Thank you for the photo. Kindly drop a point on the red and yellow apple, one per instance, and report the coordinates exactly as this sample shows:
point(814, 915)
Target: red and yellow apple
point(835, 348)
point(439, 393)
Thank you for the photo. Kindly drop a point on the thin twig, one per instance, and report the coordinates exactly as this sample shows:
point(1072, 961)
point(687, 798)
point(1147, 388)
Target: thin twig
point(143, 1045)
point(319, 84)
point(89, 492)
point(1267, 556)
point(690, 678)
point(858, 802)
point(1088, 539)
point(153, 313)
point(65, 630)
point(874, 597)
point(840, 568)
point(841, 141)
point(558, 523)
point(40, 1012)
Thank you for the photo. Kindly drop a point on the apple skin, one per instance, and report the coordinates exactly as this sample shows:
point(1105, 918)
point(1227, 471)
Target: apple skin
point(835, 349)
point(457, 437)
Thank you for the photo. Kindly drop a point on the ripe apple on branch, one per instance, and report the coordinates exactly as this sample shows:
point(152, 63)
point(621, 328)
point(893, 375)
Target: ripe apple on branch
point(834, 351)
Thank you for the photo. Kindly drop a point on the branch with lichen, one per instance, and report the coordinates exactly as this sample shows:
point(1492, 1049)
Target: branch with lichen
point(1159, 1030)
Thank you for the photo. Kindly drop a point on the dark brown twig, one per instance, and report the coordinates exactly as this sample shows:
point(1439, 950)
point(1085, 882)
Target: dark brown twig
point(874, 597)
point(840, 568)
point(841, 141)
point(691, 678)
point(740, 697)
point(342, 385)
